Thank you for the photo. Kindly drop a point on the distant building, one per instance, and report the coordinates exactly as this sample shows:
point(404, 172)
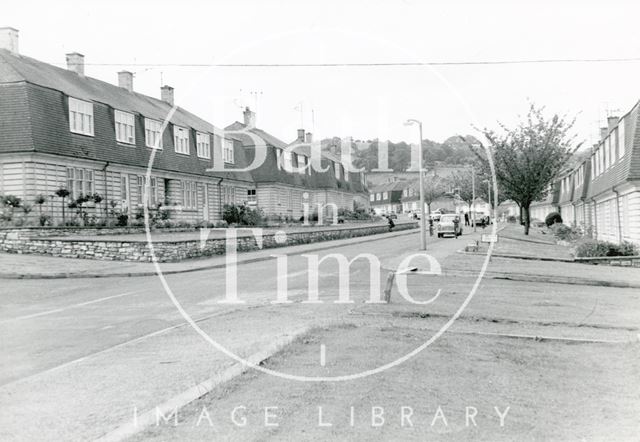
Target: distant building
point(386, 198)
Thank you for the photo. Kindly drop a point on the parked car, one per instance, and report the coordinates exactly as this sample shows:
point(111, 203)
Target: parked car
point(435, 215)
point(449, 224)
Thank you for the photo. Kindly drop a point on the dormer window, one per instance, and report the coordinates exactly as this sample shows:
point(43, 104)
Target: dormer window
point(80, 116)
point(152, 133)
point(336, 167)
point(181, 140)
point(125, 127)
point(227, 151)
point(203, 145)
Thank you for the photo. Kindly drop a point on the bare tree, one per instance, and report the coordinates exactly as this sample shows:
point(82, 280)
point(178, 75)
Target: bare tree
point(528, 158)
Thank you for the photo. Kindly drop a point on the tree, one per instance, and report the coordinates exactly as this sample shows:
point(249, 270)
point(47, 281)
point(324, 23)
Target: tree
point(62, 193)
point(434, 187)
point(40, 200)
point(528, 158)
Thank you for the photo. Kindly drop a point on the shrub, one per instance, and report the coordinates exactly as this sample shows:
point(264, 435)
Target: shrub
point(564, 232)
point(45, 220)
point(552, 218)
point(242, 215)
point(595, 248)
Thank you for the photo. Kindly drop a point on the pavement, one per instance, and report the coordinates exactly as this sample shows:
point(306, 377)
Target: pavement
point(25, 266)
point(116, 348)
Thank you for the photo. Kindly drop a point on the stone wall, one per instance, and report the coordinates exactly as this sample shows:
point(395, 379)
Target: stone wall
point(15, 241)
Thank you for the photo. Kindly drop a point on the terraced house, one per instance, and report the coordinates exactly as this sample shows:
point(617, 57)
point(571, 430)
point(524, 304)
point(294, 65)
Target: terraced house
point(285, 180)
point(62, 128)
point(614, 189)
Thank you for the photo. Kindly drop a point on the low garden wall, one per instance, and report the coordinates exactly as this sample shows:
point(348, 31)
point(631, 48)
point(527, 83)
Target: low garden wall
point(18, 241)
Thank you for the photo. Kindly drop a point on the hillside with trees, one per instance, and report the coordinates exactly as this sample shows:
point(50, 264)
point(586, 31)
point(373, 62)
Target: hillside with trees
point(454, 151)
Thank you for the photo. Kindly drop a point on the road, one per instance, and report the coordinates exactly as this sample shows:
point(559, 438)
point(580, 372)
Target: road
point(107, 346)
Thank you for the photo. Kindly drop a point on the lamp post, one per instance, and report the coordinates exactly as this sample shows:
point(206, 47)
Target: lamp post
point(423, 229)
point(473, 197)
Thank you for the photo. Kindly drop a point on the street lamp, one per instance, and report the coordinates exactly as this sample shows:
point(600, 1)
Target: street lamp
point(423, 237)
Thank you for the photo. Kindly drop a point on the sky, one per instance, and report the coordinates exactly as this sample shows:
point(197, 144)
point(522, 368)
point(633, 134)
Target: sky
point(156, 39)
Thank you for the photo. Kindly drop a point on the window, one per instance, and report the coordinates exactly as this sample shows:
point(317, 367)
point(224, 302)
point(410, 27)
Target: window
point(345, 173)
point(336, 167)
point(79, 182)
point(228, 195)
point(125, 127)
point(227, 151)
point(251, 195)
point(189, 195)
point(80, 116)
point(385, 195)
point(203, 145)
point(181, 140)
point(378, 197)
point(302, 163)
point(372, 197)
point(621, 138)
point(152, 133)
point(288, 162)
point(123, 188)
point(279, 158)
point(139, 186)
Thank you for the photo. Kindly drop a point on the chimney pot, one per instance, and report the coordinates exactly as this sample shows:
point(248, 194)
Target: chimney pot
point(301, 135)
point(9, 39)
point(125, 80)
point(166, 94)
point(309, 137)
point(249, 117)
point(612, 122)
point(75, 63)
point(603, 132)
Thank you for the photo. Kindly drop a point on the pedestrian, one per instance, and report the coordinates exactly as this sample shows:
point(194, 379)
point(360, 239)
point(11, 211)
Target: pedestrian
point(466, 218)
point(391, 223)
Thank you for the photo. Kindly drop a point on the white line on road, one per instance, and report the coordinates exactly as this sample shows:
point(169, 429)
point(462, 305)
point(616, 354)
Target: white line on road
point(62, 309)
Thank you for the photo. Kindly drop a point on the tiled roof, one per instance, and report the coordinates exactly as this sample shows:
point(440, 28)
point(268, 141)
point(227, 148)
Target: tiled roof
point(16, 68)
point(626, 168)
point(34, 117)
point(269, 172)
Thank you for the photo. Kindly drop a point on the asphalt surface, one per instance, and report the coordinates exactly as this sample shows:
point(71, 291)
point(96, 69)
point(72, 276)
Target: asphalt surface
point(80, 355)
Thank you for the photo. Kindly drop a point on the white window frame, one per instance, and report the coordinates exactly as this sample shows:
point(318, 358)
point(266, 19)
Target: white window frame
point(385, 195)
point(80, 182)
point(80, 116)
point(372, 197)
point(153, 133)
point(189, 195)
point(288, 160)
point(227, 151)
point(302, 163)
point(203, 145)
point(181, 139)
point(621, 138)
point(125, 123)
point(336, 169)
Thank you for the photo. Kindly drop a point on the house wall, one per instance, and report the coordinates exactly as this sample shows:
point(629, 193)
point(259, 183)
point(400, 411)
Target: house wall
point(29, 175)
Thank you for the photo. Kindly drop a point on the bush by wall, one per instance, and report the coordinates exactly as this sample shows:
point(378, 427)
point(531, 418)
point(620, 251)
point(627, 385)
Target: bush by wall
point(594, 248)
point(552, 218)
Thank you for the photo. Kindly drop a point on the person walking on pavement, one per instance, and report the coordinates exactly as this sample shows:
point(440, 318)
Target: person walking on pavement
point(466, 218)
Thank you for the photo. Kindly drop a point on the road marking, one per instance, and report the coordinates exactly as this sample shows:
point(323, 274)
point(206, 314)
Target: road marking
point(323, 354)
point(69, 307)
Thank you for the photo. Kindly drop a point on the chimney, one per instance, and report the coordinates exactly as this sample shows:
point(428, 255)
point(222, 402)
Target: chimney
point(249, 117)
point(612, 122)
point(166, 94)
point(9, 39)
point(603, 132)
point(301, 135)
point(75, 63)
point(125, 80)
point(309, 137)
